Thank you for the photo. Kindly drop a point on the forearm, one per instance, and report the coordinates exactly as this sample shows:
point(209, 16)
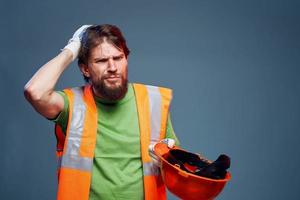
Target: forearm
point(42, 84)
point(39, 90)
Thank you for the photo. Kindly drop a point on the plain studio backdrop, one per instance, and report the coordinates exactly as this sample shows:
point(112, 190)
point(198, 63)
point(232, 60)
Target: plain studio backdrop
point(233, 67)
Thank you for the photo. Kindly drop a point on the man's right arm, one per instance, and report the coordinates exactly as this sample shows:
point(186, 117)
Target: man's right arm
point(39, 90)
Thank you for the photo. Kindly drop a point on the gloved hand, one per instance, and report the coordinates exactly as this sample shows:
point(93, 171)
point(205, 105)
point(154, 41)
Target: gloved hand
point(75, 42)
point(168, 141)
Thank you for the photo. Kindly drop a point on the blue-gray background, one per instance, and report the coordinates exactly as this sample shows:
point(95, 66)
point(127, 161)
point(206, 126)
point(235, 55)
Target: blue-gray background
point(233, 66)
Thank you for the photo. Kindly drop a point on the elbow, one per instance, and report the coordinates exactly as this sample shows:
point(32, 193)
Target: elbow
point(31, 94)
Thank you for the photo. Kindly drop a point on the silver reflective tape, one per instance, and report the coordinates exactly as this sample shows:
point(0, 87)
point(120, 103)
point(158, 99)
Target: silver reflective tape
point(71, 158)
point(155, 112)
point(150, 169)
point(77, 122)
point(77, 162)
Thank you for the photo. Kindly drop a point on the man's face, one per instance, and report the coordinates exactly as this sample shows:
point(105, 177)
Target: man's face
point(107, 70)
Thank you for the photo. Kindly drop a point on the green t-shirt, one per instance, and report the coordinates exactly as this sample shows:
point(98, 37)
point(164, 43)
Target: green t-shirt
point(117, 167)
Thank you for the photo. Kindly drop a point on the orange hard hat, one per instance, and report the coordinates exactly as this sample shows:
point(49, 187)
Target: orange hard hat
point(186, 185)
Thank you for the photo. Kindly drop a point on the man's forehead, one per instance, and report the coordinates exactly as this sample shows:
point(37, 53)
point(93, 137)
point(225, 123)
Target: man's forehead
point(105, 49)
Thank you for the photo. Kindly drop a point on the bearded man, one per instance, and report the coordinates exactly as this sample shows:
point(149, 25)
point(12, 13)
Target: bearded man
point(105, 127)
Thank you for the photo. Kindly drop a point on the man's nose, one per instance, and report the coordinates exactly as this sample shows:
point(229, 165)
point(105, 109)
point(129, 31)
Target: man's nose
point(112, 65)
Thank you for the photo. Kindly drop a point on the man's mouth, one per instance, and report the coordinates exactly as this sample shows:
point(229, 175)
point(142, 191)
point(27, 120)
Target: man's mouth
point(112, 78)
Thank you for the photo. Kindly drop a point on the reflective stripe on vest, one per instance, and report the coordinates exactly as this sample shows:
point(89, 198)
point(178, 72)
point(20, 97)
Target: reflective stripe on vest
point(72, 158)
point(150, 169)
point(77, 157)
point(155, 112)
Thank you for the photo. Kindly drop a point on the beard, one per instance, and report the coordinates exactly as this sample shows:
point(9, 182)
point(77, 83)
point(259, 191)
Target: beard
point(110, 92)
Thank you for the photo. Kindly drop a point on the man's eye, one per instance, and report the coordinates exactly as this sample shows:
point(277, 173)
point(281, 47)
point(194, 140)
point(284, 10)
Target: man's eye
point(118, 58)
point(101, 61)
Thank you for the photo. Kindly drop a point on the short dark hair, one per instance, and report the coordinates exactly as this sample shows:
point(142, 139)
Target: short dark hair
point(94, 36)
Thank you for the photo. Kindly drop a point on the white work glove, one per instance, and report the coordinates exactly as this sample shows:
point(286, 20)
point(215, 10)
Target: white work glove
point(168, 141)
point(75, 42)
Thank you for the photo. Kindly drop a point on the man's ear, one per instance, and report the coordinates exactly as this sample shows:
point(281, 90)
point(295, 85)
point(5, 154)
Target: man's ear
point(84, 70)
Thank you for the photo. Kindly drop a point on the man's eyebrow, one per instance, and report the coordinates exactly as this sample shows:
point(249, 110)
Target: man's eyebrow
point(104, 58)
point(119, 55)
point(101, 58)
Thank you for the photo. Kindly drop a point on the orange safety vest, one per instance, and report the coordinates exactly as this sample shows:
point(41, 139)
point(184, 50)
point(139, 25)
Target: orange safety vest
point(75, 149)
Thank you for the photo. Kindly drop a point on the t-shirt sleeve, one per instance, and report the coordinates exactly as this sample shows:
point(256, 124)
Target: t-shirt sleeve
point(170, 132)
point(62, 117)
